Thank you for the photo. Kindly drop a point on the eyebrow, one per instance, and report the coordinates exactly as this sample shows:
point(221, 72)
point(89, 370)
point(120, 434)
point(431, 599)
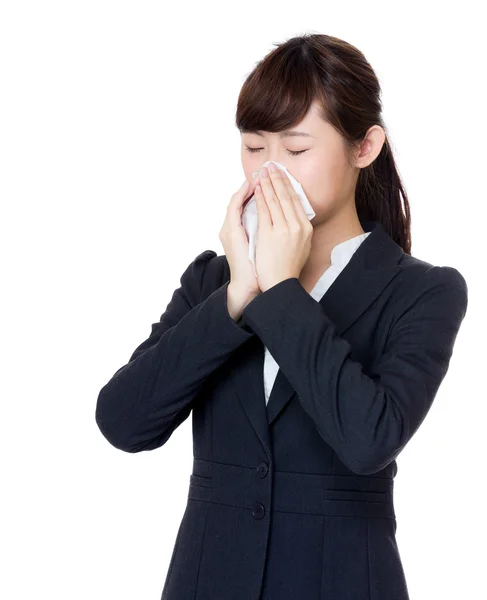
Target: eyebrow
point(282, 134)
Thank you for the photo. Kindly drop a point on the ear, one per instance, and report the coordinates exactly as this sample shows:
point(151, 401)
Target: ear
point(370, 146)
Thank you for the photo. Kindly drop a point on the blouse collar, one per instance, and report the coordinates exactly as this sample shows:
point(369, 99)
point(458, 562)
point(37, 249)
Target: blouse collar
point(342, 252)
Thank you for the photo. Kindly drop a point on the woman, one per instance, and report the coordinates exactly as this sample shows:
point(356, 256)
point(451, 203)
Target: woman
point(291, 490)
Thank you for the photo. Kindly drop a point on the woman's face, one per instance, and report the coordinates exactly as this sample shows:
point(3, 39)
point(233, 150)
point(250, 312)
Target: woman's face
point(321, 167)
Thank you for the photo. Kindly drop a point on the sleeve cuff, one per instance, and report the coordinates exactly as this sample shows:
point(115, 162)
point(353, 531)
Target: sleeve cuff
point(237, 331)
point(275, 303)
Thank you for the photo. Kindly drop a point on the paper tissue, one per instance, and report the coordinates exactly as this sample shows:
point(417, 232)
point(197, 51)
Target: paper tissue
point(249, 213)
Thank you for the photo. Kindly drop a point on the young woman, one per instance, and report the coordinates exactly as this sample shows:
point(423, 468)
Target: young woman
point(307, 381)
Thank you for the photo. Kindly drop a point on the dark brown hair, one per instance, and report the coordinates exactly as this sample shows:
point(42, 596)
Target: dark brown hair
point(279, 91)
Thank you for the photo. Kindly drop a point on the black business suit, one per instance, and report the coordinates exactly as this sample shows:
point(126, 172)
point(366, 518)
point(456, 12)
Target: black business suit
point(293, 499)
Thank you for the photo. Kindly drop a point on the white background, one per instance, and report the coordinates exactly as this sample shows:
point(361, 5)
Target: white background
point(119, 154)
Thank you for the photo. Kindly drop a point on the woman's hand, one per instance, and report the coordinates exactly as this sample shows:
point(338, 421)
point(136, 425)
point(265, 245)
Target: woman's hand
point(284, 231)
point(235, 243)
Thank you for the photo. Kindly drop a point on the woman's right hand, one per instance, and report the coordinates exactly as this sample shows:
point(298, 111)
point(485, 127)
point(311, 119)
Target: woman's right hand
point(235, 243)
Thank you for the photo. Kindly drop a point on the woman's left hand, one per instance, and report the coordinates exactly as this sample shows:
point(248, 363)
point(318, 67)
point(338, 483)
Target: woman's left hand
point(284, 232)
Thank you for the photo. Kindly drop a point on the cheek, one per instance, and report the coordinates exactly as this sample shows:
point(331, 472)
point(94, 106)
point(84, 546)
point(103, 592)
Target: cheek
point(318, 178)
point(323, 184)
point(326, 173)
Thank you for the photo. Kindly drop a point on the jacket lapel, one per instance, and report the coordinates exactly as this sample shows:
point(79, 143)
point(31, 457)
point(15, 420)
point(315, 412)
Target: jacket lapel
point(248, 379)
point(370, 269)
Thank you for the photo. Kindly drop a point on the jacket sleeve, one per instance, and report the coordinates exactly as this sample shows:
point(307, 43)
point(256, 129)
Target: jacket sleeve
point(147, 398)
point(366, 417)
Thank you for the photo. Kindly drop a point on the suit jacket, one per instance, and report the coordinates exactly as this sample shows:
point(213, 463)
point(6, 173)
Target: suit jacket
point(293, 499)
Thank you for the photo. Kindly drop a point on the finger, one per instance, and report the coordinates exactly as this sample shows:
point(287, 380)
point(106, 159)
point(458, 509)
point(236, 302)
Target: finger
point(271, 199)
point(300, 212)
point(263, 213)
point(283, 193)
point(250, 190)
point(253, 184)
point(240, 194)
point(234, 208)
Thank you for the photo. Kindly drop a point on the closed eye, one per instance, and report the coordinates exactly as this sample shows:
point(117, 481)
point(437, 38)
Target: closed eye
point(293, 152)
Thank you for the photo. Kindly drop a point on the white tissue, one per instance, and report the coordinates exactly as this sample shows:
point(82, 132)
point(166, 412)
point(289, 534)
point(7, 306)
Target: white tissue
point(249, 214)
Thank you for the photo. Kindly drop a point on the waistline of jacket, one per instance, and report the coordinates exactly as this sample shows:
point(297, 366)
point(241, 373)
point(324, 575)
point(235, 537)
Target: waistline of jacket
point(262, 489)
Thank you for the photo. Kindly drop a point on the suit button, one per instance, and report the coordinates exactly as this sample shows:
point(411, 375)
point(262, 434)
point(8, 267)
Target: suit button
point(262, 470)
point(258, 510)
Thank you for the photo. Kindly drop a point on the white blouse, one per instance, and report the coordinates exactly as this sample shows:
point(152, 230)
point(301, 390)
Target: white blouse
point(340, 255)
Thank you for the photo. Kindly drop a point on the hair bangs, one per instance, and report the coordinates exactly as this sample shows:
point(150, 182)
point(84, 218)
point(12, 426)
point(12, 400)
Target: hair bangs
point(278, 94)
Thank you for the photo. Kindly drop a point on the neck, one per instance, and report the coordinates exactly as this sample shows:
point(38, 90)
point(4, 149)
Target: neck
point(327, 235)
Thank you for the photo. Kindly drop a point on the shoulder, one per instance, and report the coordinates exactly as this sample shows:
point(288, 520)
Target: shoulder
point(419, 281)
point(419, 273)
